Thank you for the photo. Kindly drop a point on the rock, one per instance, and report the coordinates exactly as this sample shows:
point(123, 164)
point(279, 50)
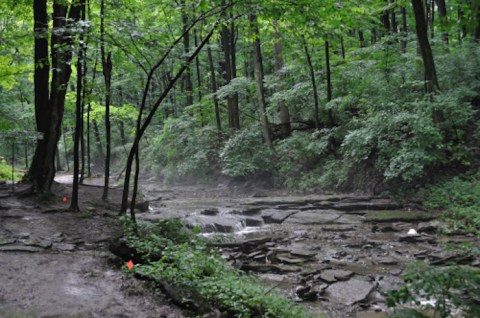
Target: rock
point(313, 217)
point(6, 241)
point(289, 260)
point(209, 212)
point(253, 221)
point(20, 248)
point(415, 238)
point(387, 284)
point(332, 275)
point(304, 253)
point(396, 272)
point(375, 204)
point(208, 224)
point(269, 268)
point(429, 227)
point(276, 216)
point(64, 247)
point(142, 206)
point(349, 292)
point(310, 291)
point(350, 219)
point(387, 261)
point(398, 216)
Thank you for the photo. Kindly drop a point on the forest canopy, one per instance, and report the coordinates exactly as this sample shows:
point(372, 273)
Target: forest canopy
point(370, 95)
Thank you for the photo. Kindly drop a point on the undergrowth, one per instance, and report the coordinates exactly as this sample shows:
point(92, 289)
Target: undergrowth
point(200, 275)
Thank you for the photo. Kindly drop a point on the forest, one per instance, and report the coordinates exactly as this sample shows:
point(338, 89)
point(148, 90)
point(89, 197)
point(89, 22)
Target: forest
point(349, 105)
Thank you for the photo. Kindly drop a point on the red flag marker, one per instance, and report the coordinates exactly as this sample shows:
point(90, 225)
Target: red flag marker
point(130, 265)
point(64, 200)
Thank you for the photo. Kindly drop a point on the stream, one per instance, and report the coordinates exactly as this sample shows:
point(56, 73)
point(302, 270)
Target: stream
point(337, 254)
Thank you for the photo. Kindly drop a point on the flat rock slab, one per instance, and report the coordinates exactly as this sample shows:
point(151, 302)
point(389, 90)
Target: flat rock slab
point(276, 216)
point(376, 204)
point(398, 216)
point(332, 275)
point(20, 248)
point(313, 217)
point(349, 292)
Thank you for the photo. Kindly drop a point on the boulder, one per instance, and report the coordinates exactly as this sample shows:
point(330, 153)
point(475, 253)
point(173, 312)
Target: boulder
point(313, 217)
point(349, 292)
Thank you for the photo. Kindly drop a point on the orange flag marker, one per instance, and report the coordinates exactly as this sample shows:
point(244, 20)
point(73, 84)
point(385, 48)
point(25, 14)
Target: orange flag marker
point(64, 200)
point(130, 265)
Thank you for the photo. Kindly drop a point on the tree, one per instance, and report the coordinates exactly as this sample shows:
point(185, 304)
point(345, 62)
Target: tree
point(431, 81)
point(258, 63)
point(49, 109)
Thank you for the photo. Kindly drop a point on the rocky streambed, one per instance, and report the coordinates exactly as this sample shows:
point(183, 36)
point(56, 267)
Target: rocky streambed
point(337, 254)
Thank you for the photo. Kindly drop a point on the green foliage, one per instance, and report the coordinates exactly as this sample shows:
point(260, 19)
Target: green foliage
point(446, 288)
point(245, 154)
point(183, 151)
point(6, 171)
point(200, 274)
point(460, 198)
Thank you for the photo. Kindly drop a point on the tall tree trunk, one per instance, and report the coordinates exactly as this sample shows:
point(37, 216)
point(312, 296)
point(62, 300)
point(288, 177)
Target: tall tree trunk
point(199, 83)
point(442, 16)
point(361, 38)
point(329, 83)
point(393, 15)
point(404, 29)
point(187, 77)
point(49, 110)
point(233, 67)
point(214, 89)
point(148, 119)
point(107, 75)
point(283, 110)
point(89, 109)
point(432, 18)
point(314, 85)
point(431, 82)
point(257, 53)
point(98, 143)
point(78, 118)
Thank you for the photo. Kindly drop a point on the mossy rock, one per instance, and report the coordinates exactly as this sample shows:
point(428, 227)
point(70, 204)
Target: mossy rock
point(399, 216)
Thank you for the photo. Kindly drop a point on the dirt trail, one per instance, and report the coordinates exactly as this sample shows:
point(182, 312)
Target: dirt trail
point(56, 263)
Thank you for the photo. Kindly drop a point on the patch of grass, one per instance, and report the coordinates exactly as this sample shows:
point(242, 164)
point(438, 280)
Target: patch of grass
point(201, 277)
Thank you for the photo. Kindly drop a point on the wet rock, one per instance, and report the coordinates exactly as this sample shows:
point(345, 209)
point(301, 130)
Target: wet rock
point(64, 247)
point(350, 292)
point(269, 268)
point(350, 219)
point(20, 248)
point(332, 275)
point(22, 235)
point(252, 221)
point(376, 204)
point(429, 227)
point(209, 212)
point(395, 272)
point(288, 260)
point(276, 216)
point(38, 243)
point(387, 261)
point(6, 241)
point(398, 216)
point(415, 238)
point(303, 253)
point(209, 224)
point(387, 284)
point(310, 291)
point(313, 217)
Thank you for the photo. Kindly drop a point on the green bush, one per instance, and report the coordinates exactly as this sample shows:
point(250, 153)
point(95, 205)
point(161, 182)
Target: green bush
point(245, 154)
point(6, 171)
point(183, 151)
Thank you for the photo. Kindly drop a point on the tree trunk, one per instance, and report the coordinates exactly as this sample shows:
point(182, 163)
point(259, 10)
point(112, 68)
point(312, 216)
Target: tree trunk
point(257, 54)
point(49, 110)
point(233, 67)
point(431, 82)
point(214, 90)
point(404, 29)
point(283, 110)
point(187, 77)
point(314, 85)
point(148, 119)
point(442, 16)
point(78, 119)
point(199, 83)
point(329, 83)
point(394, 17)
point(107, 75)
point(361, 38)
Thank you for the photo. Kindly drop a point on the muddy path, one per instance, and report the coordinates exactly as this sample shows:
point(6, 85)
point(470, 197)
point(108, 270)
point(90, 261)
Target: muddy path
point(339, 255)
point(57, 264)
